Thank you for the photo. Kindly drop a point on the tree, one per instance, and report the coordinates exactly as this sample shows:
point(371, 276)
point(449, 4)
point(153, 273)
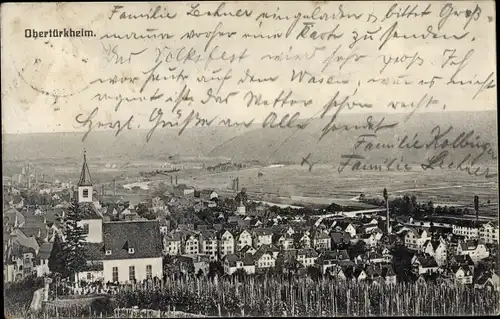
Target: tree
point(57, 260)
point(215, 268)
point(74, 252)
point(430, 207)
point(314, 273)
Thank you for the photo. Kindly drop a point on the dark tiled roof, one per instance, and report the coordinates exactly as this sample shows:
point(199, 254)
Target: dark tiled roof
point(339, 237)
point(94, 251)
point(85, 179)
point(143, 236)
point(248, 260)
point(45, 249)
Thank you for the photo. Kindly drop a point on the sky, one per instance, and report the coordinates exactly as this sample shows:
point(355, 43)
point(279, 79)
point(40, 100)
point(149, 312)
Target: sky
point(47, 82)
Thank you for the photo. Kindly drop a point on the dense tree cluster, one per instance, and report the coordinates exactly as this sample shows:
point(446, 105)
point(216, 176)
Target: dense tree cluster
point(68, 258)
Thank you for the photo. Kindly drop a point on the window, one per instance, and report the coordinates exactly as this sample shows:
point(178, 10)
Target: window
point(115, 274)
point(131, 273)
point(108, 252)
point(85, 193)
point(89, 276)
point(86, 229)
point(149, 271)
point(131, 250)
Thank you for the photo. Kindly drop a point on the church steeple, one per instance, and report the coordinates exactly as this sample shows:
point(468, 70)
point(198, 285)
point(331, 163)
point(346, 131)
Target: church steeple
point(85, 179)
point(85, 183)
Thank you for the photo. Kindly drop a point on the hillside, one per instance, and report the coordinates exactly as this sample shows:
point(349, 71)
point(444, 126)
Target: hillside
point(264, 144)
point(104, 144)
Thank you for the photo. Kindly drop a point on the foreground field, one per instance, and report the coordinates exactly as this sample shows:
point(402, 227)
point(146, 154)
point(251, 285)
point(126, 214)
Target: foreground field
point(282, 296)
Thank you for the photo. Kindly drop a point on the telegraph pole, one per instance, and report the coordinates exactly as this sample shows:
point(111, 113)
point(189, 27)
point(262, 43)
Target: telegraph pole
point(476, 208)
point(29, 177)
point(388, 224)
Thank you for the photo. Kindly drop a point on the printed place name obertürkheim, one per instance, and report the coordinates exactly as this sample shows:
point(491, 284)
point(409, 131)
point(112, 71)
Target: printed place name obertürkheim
point(59, 33)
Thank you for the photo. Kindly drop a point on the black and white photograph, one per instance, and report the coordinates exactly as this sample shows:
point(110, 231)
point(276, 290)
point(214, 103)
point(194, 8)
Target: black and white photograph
point(249, 159)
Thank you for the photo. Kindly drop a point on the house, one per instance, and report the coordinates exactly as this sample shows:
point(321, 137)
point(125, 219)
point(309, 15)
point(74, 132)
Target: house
point(359, 274)
point(262, 236)
point(172, 243)
point(243, 238)
point(488, 280)
point(389, 275)
point(437, 249)
point(19, 262)
point(386, 254)
point(201, 263)
point(321, 241)
point(164, 225)
point(465, 228)
point(42, 259)
point(345, 227)
point(226, 243)
point(328, 259)
point(191, 245)
point(415, 239)
point(264, 259)
point(368, 239)
point(423, 264)
point(132, 251)
point(462, 274)
point(302, 240)
point(374, 257)
point(475, 249)
point(307, 256)
point(284, 241)
point(248, 250)
point(462, 260)
point(233, 262)
point(340, 238)
point(489, 233)
point(248, 264)
point(209, 244)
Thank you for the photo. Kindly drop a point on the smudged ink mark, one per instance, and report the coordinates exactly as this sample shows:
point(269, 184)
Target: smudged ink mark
point(306, 161)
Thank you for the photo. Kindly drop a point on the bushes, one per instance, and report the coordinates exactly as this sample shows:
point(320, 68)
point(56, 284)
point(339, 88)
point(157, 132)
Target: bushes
point(18, 295)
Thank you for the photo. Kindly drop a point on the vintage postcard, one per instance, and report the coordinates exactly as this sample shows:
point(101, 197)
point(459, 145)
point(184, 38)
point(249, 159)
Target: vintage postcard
point(249, 158)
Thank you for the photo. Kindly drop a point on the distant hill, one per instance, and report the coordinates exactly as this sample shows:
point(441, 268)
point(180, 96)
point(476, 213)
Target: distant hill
point(276, 145)
point(256, 143)
point(104, 144)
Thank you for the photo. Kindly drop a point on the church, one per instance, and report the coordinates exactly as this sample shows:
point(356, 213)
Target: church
point(118, 251)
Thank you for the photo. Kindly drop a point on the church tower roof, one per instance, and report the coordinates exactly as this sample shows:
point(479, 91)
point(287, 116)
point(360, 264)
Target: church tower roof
point(85, 179)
